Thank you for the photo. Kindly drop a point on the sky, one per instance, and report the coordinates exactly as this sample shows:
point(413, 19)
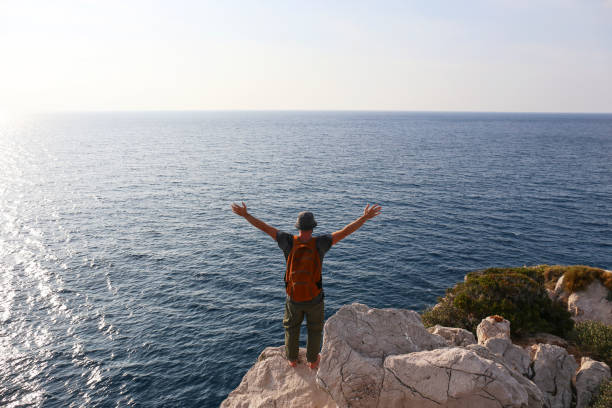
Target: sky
point(488, 55)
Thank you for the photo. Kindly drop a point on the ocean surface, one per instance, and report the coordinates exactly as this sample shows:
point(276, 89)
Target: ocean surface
point(126, 280)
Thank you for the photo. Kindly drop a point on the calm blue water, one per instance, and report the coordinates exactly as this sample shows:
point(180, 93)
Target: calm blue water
point(125, 279)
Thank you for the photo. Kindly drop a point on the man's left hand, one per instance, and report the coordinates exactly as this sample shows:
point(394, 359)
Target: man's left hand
point(241, 211)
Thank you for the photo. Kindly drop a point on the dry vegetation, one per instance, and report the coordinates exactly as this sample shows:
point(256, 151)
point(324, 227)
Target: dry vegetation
point(577, 277)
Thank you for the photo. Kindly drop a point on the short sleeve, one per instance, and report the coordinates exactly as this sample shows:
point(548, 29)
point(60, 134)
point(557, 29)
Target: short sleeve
point(284, 241)
point(324, 242)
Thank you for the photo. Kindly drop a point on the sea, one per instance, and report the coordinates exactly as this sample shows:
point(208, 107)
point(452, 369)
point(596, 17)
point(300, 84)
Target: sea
point(127, 281)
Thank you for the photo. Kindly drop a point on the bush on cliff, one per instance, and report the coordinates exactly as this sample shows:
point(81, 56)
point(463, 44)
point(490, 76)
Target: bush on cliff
point(517, 294)
point(593, 339)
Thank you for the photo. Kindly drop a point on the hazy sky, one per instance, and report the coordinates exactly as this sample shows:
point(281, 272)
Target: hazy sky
point(489, 55)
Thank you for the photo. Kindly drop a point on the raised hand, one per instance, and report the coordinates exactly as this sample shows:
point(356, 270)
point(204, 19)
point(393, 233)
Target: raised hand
point(371, 212)
point(241, 211)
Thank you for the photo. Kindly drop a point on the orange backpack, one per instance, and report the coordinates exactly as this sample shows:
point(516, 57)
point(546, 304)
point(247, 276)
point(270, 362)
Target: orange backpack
point(303, 275)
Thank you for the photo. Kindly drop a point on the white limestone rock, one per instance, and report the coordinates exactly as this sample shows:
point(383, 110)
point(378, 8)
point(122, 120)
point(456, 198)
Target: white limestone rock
point(449, 377)
point(493, 327)
point(587, 380)
point(560, 293)
point(494, 333)
point(535, 395)
point(271, 382)
point(553, 369)
point(356, 342)
point(516, 357)
point(453, 335)
point(591, 304)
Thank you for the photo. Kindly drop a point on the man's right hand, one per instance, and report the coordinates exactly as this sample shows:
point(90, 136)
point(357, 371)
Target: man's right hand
point(241, 211)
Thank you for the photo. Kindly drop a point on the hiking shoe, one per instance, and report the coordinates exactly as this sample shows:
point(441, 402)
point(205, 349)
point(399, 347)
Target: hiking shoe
point(292, 363)
point(315, 364)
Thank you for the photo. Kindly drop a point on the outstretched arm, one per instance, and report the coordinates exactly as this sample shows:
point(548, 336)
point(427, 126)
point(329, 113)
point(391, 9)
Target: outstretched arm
point(368, 213)
point(242, 211)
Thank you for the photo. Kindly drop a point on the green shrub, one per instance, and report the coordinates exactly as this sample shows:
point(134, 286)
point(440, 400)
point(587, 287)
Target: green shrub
point(517, 294)
point(604, 399)
point(593, 339)
point(446, 314)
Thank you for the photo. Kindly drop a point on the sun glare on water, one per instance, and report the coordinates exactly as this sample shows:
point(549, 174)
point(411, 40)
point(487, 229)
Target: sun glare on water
point(6, 117)
point(10, 120)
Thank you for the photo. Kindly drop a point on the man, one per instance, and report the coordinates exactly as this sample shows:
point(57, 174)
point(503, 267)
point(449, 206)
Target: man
point(304, 256)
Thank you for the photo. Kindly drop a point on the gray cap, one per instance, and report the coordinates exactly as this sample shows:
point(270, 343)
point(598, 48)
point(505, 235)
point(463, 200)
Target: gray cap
point(305, 221)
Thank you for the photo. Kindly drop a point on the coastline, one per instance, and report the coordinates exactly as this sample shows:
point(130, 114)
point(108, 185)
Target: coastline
point(387, 357)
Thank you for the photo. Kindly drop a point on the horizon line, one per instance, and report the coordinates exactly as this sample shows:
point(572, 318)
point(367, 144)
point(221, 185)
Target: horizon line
point(59, 111)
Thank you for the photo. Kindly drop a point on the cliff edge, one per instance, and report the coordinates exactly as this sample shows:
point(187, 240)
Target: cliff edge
point(387, 358)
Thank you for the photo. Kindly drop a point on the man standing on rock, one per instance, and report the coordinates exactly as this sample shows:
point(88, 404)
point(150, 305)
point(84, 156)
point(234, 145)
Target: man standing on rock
point(303, 282)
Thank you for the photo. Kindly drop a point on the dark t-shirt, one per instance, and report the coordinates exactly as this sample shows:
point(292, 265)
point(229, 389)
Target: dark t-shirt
point(324, 242)
point(285, 242)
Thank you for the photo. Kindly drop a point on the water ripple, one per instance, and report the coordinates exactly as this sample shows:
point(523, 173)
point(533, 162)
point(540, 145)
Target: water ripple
point(126, 281)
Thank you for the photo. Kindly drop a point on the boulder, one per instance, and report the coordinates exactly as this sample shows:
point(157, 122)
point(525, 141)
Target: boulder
point(588, 378)
point(356, 342)
point(516, 357)
point(494, 333)
point(491, 327)
point(453, 335)
point(271, 382)
point(591, 304)
point(449, 377)
point(535, 396)
point(553, 369)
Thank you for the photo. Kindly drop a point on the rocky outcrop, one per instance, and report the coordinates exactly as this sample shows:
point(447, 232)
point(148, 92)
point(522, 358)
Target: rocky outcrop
point(587, 380)
point(592, 303)
point(454, 336)
point(535, 396)
point(413, 368)
point(493, 327)
point(357, 341)
point(553, 369)
point(494, 333)
point(386, 358)
point(449, 377)
point(271, 382)
point(515, 356)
